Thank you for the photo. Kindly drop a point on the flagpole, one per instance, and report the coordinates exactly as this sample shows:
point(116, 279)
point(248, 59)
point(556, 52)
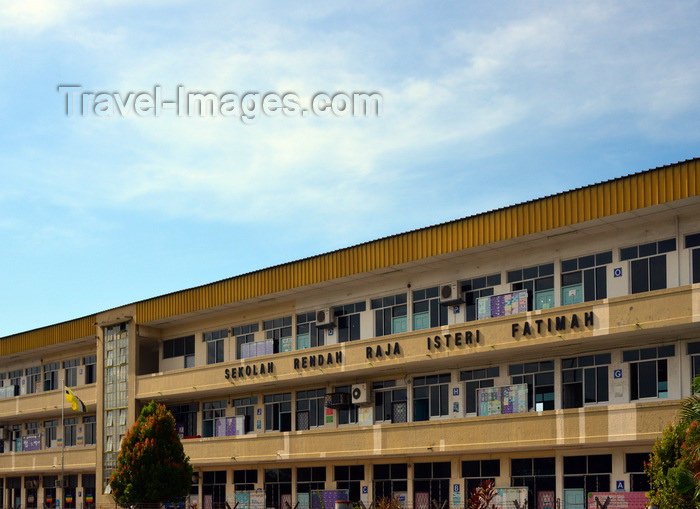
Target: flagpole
point(63, 441)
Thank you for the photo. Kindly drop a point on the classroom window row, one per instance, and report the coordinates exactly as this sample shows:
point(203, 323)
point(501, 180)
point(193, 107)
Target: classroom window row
point(599, 378)
point(426, 484)
point(571, 281)
point(49, 376)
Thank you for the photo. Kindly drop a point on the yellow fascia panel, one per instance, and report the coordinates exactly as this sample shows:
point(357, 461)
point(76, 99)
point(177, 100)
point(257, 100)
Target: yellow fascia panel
point(47, 336)
point(645, 189)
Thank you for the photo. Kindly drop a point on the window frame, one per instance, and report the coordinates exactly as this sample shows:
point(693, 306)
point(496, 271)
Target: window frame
point(437, 396)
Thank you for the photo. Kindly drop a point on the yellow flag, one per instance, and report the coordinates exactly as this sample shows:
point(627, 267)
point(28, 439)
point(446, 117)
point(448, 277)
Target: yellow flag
point(75, 402)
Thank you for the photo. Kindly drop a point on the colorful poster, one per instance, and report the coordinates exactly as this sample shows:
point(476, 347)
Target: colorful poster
point(31, 443)
point(257, 500)
point(326, 499)
point(510, 399)
point(509, 498)
point(501, 305)
point(631, 500)
point(243, 499)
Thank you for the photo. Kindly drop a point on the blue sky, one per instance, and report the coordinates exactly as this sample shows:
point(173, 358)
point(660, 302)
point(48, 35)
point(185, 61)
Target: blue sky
point(485, 104)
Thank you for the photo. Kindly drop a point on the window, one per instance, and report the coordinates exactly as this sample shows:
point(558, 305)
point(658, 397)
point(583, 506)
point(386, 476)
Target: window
point(33, 428)
point(279, 331)
point(90, 369)
point(278, 412)
point(584, 380)
point(71, 372)
point(539, 377)
point(215, 341)
point(431, 484)
point(478, 287)
point(32, 431)
point(427, 311)
point(690, 242)
point(214, 487)
point(185, 418)
point(244, 334)
point(278, 483)
point(51, 376)
point(308, 335)
point(584, 279)
point(350, 477)
point(648, 264)
point(348, 320)
point(634, 465)
point(16, 438)
point(180, 347)
point(50, 428)
point(389, 479)
point(476, 379)
point(476, 472)
point(310, 409)
point(15, 379)
point(311, 478)
point(70, 427)
point(245, 480)
point(538, 474)
point(246, 408)
point(33, 379)
point(590, 473)
point(69, 491)
point(390, 315)
point(649, 371)
point(539, 283)
point(431, 396)
point(347, 415)
point(390, 402)
point(214, 419)
point(694, 353)
point(89, 426)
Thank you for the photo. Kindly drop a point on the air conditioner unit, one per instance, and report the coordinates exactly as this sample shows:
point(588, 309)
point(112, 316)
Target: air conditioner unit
point(450, 294)
point(360, 394)
point(61, 483)
point(325, 318)
point(31, 483)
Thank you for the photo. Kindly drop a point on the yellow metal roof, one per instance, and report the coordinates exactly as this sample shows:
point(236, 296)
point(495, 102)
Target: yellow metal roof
point(624, 194)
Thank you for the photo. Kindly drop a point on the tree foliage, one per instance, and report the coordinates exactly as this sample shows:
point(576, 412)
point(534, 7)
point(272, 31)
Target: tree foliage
point(152, 466)
point(481, 496)
point(674, 464)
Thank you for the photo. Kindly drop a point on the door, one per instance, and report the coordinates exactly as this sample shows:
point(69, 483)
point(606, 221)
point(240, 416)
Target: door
point(574, 499)
point(544, 299)
point(421, 321)
point(572, 294)
point(398, 324)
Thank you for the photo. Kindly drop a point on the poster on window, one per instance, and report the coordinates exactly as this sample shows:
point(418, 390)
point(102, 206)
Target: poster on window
point(501, 305)
point(31, 443)
point(604, 500)
point(510, 497)
point(257, 500)
point(510, 399)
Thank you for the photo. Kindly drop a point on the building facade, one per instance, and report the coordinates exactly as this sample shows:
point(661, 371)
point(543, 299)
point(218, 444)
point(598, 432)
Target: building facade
point(543, 345)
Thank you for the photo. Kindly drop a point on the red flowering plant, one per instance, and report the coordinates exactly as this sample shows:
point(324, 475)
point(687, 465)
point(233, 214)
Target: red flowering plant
point(151, 467)
point(481, 496)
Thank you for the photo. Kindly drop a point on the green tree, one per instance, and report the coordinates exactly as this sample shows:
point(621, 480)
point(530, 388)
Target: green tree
point(152, 466)
point(674, 464)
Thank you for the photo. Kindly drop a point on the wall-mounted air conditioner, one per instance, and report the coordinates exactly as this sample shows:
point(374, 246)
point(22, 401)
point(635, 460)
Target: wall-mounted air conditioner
point(360, 394)
point(451, 294)
point(325, 318)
